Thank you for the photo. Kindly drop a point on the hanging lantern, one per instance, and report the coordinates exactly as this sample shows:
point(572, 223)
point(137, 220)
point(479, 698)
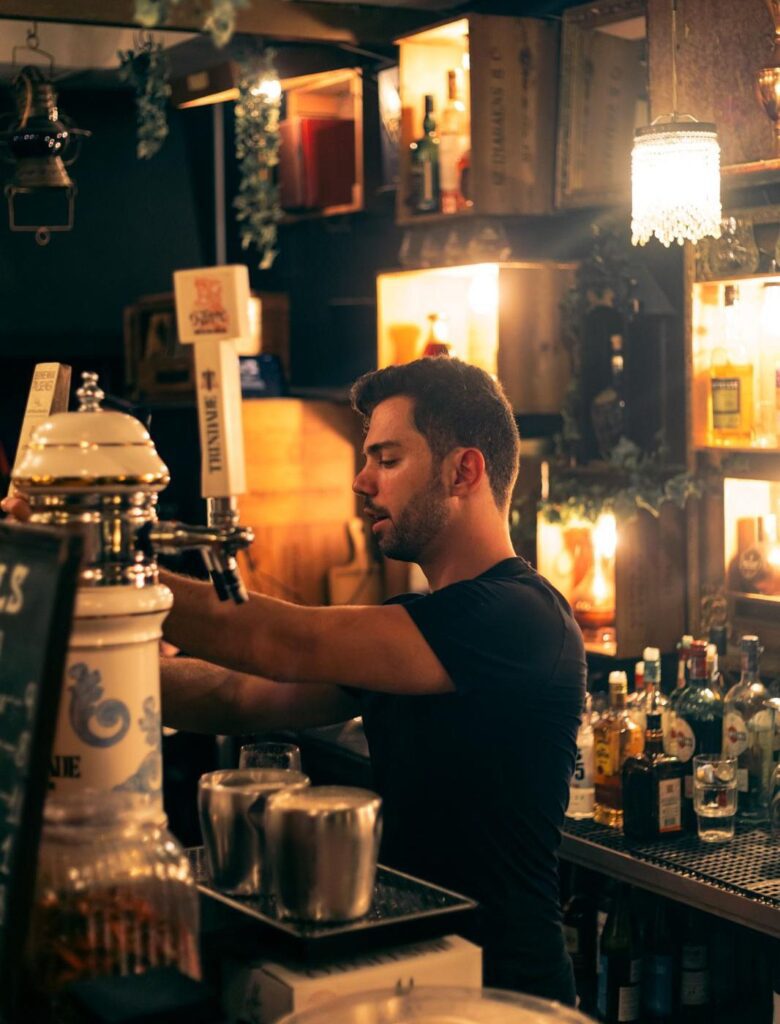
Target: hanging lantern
point(675, 182)
point(41, 147)
point(675, 175)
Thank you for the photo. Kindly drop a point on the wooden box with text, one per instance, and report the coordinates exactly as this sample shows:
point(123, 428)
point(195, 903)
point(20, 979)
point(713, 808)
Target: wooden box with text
point(507, 73)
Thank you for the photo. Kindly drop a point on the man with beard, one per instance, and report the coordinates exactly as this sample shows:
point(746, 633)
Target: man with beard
point(470, 695)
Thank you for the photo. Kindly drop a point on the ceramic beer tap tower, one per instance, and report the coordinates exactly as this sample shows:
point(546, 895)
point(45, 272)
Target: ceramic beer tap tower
point(97, 471)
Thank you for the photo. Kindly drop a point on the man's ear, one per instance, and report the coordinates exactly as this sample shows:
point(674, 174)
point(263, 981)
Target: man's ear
point(468, 471)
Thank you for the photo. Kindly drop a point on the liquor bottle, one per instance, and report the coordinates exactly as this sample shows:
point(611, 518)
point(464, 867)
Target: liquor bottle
point(658, 968)
point(620, 965)
point(697, 722)
point(635, 701)
point(749, 570)
point(579, 933)
point(695, 1002)
point(581, 790)
point(652, 788)
point(748, 734)
point(717, 679)
point(731, 379)
point(464, 178)
point(424, 165)
point(683, 656)
point(453, 142)
point(436, 343)
point(655, 700)
point(616, 738)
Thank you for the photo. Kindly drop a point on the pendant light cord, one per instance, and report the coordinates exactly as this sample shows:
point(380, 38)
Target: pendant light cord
point(674, 60)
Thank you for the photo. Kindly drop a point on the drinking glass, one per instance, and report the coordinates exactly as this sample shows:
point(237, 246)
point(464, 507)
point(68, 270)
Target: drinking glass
point(270, 755)
point(715, 796)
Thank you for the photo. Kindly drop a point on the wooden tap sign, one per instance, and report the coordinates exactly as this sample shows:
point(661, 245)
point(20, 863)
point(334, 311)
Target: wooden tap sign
point(38, 573)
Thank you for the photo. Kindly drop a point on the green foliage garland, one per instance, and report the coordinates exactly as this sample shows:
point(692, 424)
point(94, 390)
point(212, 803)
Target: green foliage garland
point(629, 481)
point(258, 210)
point(146, 69)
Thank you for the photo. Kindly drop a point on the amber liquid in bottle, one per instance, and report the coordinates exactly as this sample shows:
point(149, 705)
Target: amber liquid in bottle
point(616, 738)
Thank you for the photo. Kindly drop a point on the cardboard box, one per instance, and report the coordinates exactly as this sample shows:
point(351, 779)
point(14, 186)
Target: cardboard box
point(262, 993)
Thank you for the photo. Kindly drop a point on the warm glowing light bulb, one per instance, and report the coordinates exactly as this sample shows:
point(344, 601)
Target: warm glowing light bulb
point(482, 295)
point(269, 88)
point(605, 536)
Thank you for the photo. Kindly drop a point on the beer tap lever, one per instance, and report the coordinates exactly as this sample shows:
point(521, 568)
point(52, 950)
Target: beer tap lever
point(212, 311)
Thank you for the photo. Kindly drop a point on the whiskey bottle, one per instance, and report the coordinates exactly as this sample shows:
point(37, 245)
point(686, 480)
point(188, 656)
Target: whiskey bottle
point(731, 379)
point(635, 701)
point(748, 734)
point(697, 722)
point(424, 166)
point(652, 788)
point(616, 738)
point(655, 700)
point(453, 143)
point(620, 965)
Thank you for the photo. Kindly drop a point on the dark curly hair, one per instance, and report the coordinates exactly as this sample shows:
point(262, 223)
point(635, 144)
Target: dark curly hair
point(455, 405)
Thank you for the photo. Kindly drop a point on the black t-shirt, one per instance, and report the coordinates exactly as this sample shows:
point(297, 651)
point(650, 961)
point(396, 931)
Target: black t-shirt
point(475, 783)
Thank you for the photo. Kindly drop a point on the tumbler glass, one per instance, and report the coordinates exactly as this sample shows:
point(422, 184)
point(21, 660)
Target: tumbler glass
point(270, 755)
point(715, 796)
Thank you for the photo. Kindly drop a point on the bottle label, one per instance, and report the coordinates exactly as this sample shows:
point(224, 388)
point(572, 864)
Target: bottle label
point(581, 802)
point(694, 958)
point(695, 988)
point(627, 995)
point(606, 756)
point(571, 938)
point(657, 986)
point(683, 740)
point(669, 806)
point(743, 780)
point(725, 403)
point(735, 737)
point(628, 1003)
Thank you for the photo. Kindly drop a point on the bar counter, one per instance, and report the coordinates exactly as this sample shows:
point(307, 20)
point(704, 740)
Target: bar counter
point(738, 881)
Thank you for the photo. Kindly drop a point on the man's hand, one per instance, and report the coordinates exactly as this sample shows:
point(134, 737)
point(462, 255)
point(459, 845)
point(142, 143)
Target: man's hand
point(16, 507)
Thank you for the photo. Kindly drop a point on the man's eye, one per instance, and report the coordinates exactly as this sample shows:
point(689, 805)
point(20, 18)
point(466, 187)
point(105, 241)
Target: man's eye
point(388, 462)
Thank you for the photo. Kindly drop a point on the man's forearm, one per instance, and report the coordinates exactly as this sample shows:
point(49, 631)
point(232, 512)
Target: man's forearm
point(261, 636)
point(199, 697)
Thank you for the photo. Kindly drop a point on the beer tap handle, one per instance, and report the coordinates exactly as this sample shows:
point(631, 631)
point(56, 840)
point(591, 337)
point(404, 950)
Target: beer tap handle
point(212, 310)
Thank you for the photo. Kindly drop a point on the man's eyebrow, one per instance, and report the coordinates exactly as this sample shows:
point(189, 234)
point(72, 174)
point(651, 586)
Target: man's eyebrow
point(379, 446)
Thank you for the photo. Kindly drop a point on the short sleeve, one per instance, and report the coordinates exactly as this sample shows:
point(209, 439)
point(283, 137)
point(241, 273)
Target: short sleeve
point(491, 633)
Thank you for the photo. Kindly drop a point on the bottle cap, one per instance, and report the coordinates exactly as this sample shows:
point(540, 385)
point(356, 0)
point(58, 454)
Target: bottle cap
point(618, 679)
point(652, 653)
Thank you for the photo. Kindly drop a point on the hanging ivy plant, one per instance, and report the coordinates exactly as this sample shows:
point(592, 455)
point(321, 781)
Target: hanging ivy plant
point(146, 68)
point(258, 210)
point(629, 481)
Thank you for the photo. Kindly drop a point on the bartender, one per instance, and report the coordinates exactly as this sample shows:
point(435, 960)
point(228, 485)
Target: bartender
point(470, 695)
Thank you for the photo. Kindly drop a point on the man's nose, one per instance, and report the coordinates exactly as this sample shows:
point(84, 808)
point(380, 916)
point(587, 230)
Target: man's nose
point(363, 483)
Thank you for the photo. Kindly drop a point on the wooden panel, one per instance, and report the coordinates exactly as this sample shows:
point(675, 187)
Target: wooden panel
point(721, 46)
point(514, 65)
point(301, 460)
point(273, 19)
point(533, 365)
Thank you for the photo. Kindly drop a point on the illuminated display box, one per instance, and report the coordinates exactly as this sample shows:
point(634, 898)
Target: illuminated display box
point(735, 362)
point(502, 317)
point(625, 579)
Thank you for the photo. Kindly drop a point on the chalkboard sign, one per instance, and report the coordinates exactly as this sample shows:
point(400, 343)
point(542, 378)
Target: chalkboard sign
point(38, 572)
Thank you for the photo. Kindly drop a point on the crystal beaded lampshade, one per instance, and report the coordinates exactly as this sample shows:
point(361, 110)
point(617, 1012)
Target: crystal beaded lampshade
point(675, 182)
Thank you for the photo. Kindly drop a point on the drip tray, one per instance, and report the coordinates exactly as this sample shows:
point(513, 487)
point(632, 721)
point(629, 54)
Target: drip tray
point(404, 909)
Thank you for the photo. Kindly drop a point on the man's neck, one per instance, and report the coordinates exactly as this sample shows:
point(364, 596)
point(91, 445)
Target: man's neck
point(466, 557)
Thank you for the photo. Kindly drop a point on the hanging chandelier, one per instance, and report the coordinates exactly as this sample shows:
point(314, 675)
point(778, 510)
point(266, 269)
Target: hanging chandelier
point(675, 175)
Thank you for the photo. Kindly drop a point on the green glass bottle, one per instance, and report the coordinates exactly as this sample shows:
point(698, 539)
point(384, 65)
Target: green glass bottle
point(424, 166)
